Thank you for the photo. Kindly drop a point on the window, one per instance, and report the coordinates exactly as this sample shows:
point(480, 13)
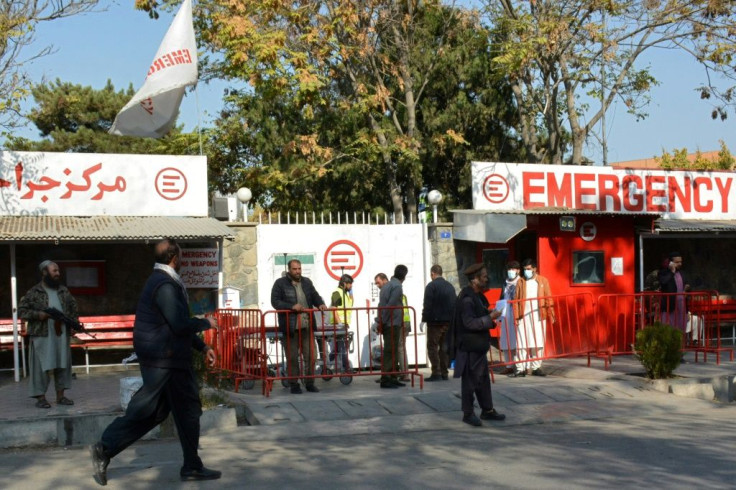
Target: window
point(588, 267)
point(83, 277)
point(495, 264)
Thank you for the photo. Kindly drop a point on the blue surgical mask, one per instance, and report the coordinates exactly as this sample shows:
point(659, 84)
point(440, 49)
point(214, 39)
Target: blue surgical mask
point(528, 273)
point(512, 274)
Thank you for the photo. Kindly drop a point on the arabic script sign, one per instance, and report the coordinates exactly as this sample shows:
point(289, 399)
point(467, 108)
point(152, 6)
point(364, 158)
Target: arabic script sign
point(92, 184)
point(199, 267)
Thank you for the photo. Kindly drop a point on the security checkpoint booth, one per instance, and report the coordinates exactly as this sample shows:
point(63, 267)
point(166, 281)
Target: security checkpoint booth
point(97, 215)
point(596, 231)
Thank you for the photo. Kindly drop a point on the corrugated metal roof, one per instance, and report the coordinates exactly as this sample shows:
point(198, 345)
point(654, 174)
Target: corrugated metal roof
point(671, 225)
point(108, 228)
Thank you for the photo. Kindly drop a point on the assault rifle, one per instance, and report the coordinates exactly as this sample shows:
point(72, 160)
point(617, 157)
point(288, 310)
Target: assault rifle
point(75, 325)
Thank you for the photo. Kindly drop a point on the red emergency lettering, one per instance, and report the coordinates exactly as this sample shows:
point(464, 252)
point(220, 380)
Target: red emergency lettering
point(723, 188)
point(581, 191)
point(608, 188)
point(683, 194)
point(630, 186)
point(653, 193)
point(700, 206)
point(559, 195)
point(530, 191)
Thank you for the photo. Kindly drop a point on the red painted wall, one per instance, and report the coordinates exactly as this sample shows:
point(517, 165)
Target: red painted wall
point(615, 237)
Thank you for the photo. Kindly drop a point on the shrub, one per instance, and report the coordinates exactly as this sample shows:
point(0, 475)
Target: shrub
point(659, 349)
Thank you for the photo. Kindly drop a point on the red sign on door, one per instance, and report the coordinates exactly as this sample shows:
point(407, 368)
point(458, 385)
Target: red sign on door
point(343, 257)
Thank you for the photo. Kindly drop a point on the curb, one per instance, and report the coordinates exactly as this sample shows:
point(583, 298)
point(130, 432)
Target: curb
point(86, 429)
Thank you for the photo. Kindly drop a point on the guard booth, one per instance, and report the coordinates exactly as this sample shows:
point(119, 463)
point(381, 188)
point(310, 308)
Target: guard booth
point(589, 229)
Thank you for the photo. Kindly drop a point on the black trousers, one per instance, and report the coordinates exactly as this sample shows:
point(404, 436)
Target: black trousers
point(163, 391)
point(475, 380)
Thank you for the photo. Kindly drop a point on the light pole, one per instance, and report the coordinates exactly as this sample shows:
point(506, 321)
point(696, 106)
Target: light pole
point(434, 197)
point(244, 196)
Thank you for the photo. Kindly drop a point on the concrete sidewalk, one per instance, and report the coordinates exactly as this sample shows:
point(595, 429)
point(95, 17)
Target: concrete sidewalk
point(572, 391)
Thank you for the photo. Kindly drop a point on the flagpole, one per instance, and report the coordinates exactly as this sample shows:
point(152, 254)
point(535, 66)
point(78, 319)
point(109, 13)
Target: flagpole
point(199, 122)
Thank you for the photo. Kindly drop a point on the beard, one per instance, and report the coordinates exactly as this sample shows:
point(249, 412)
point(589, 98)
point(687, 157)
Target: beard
point(52, 283)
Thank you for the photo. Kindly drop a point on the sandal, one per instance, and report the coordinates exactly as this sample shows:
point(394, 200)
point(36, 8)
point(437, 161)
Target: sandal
point(64, 401)
point(43, 403)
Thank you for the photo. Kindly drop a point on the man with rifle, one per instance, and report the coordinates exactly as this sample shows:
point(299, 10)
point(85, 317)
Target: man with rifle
point(49, 350)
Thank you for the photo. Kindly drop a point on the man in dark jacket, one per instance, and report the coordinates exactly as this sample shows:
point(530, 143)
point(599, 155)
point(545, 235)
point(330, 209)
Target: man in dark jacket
point(291, 295)
point(437, 311)
point(472, 340)
point(163, 337)
point(392, 326)
point(672, 279)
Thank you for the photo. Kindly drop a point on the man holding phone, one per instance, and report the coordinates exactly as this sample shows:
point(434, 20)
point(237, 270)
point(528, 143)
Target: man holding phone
point(672, 279)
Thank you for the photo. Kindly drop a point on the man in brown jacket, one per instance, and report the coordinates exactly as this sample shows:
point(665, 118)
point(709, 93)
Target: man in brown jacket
point(531, 313)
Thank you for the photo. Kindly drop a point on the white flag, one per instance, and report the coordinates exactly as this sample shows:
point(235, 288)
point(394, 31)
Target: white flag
point(153, 109)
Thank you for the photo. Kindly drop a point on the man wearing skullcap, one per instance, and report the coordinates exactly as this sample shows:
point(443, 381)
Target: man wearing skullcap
point(49, 350)
point(472, 339)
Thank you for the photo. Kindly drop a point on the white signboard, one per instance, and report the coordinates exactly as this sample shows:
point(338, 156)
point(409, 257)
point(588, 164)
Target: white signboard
point(672, 194)
point(199, 267)
point(328, 251)
point(92, 184)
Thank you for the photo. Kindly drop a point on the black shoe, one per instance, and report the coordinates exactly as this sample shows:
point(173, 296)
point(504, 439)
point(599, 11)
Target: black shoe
point(397, 383)
point(388, 384)
point(518, 374)
point(445, 377)
point(312, 389)
point(492, 414)
point(472, 420)
point(296, 390)
point(99, 463)
point(538, 372)
point(434, 377)
point(200, 474)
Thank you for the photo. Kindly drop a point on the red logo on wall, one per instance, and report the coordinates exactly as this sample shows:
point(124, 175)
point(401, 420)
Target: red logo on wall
point(171, 184)
point(343, 257)
point(495, 188)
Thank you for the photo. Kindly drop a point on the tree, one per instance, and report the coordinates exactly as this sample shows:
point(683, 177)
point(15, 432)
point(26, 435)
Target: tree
point(18, 22)
point(680, 160)
point(74, 118)
point(346, 101)
point(554, 54)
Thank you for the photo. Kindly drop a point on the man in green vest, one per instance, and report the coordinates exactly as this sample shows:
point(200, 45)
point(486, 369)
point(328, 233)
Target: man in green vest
point(342, 301)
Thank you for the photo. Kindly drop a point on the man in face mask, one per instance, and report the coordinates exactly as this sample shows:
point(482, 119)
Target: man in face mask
point(507, 341)
point(49, 350)
point(531, 313)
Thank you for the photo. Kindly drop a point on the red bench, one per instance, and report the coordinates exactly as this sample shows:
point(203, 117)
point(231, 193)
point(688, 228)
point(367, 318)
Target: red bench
point(107, 332)
point(6, 338)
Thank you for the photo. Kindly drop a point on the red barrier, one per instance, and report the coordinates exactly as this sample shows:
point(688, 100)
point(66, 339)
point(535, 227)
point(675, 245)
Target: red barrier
point(323, 350)
point(239, 343)
point(550, 327)
point(697, 314)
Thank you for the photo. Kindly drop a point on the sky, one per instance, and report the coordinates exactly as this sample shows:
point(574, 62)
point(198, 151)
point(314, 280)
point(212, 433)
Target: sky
point(120, 43)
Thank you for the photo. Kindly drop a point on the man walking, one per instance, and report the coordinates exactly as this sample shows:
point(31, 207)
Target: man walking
point(163, 338)
point(437, 312)
point(392, 325)
point(296, 294)
point(49, 350)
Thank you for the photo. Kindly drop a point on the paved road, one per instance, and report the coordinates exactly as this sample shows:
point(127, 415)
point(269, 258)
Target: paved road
point(647, 439)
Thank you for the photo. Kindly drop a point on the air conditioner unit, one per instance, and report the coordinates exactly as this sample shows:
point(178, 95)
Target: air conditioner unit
point(225, 208)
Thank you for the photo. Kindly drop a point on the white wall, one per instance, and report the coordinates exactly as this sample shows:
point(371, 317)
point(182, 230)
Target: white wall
point(382, 248)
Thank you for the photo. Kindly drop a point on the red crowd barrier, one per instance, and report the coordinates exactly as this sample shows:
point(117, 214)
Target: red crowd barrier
point(535, 329)
point(251, 347)
point(697, 314)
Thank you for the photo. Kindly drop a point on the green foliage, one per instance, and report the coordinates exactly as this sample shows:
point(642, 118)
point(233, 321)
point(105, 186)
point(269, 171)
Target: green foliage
point(659, 348)
point(19, 21)
point(551, 52)
point(74, 118)
point(391, 96)
point(680, 160)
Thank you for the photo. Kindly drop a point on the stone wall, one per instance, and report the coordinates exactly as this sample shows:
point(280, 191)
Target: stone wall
point(453, 255)
point(240, 262)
